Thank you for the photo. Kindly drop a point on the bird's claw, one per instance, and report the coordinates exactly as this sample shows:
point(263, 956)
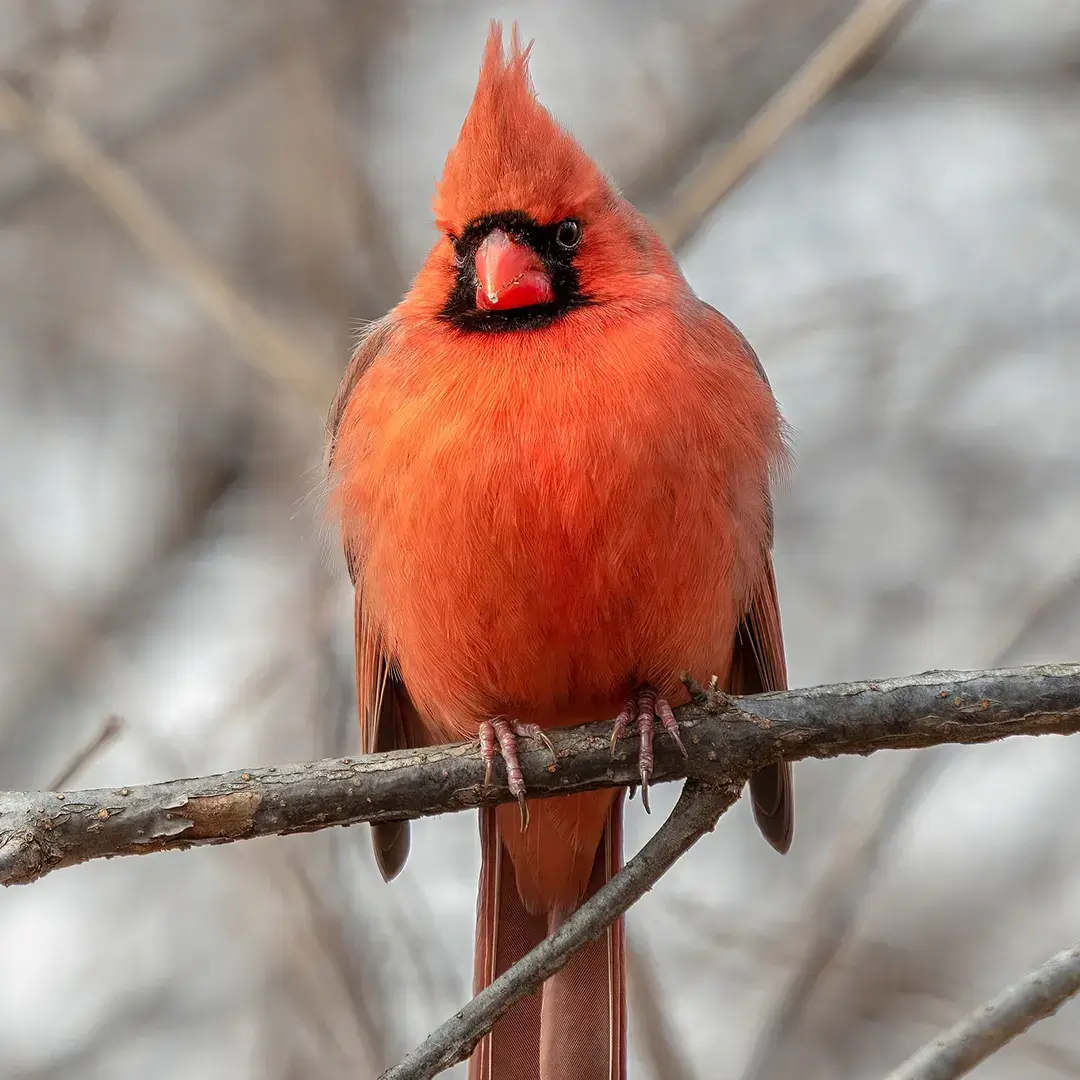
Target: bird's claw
point(669, 723)
point(500, 736)
point(642, 710)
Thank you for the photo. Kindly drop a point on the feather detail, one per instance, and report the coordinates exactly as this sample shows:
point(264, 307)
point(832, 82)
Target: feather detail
point(576, 1025)
point(388, 719)
point(757, 667)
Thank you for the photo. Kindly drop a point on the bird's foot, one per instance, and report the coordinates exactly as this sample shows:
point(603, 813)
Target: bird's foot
point(641, 711)
point(500, 736)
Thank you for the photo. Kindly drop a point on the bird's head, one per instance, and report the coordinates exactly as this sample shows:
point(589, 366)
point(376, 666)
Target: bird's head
point(531, 228)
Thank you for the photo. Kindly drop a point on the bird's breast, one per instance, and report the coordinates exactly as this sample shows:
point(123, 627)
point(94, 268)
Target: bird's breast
point(536, 542)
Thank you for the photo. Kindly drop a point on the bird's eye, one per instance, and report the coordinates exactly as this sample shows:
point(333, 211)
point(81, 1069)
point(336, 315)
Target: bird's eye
point(459, 249)
point(568, 234)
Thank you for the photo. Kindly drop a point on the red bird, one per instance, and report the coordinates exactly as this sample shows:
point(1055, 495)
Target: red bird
point(552, 469)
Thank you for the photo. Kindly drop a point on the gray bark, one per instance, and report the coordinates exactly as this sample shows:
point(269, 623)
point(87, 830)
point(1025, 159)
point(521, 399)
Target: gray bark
point(727, 739)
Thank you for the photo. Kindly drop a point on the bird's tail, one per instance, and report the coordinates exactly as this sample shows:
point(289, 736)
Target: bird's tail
point(575, 1027)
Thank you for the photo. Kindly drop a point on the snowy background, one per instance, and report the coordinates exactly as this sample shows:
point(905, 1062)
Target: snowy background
point(906, 264)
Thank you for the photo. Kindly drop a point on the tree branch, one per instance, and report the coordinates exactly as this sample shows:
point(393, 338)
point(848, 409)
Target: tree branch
point(991, 1026)
point(696, 813)
point(268, 349)
point(713, 178)
point(728, 738)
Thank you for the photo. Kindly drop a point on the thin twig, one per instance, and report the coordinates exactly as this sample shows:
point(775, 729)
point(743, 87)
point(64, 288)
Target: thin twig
point(267, 348)
point(715, 176)
point(696, 813)
point(727, 738)
point(105, 735)
point(987, 1029)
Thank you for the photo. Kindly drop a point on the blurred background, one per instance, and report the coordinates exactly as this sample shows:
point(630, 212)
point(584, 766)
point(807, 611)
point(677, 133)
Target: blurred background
point(176, 307)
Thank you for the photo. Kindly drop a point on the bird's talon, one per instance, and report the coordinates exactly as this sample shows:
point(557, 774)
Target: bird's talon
point(679, 743)
point(500, 735)
point(641, 711)
point(671, 725)
point(488, 740)
point(539, 734)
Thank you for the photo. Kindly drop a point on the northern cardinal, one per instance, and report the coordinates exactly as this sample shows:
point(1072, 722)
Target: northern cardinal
point(552, 468)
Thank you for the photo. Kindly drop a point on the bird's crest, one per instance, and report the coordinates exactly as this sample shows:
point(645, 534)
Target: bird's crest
point(511, 154)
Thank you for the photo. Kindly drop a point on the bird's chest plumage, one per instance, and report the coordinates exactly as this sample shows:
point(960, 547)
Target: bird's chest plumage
point(536, 541)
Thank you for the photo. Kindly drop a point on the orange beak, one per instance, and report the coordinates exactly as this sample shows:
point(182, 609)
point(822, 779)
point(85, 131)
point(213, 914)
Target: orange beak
point(510, 275)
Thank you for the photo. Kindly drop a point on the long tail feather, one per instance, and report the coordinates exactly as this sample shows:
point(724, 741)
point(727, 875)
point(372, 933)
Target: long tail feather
point(583, 1018)
point(575, 1028)
point(505, 932)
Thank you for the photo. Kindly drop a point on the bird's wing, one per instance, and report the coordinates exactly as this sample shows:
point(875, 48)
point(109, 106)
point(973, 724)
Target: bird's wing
point(758, 666)
point(388, 719)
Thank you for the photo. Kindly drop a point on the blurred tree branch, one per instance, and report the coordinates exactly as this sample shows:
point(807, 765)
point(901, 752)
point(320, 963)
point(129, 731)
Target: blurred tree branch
point(108, 731)
point(728, 739)
point(658, 1040)
point(72, 653)
point(268, 348)
point(706, 185)
point(212, 81)
point(986, 1030)
point(344, 37)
